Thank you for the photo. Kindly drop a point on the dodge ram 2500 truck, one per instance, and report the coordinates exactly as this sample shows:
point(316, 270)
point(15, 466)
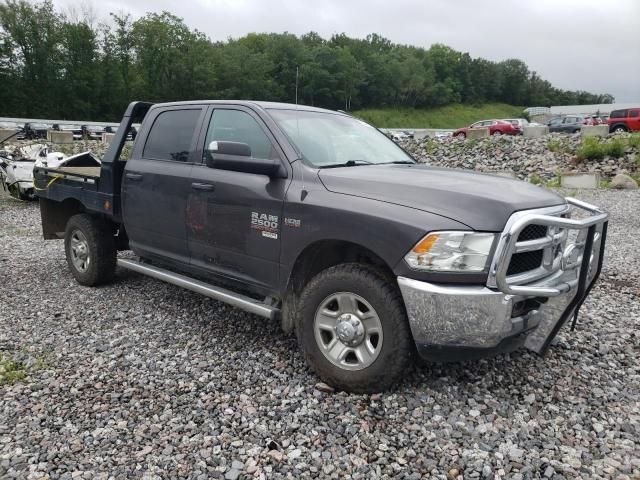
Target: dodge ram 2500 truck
point(317, 219)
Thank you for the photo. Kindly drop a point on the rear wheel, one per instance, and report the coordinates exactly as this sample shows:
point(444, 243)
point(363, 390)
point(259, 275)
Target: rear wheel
point(352, 329)
point(620, 129)
point(90, 250)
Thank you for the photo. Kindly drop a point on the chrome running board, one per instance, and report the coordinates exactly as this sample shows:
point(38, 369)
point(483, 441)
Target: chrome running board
point(234, 299)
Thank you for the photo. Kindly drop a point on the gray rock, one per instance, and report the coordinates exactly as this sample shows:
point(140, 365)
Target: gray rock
point(623, 182)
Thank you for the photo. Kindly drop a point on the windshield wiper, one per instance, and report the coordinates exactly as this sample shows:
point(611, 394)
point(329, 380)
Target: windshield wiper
point(399, 162)
point(348, 163)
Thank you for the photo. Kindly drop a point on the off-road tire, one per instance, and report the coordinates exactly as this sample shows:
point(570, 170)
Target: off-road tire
point(101, 248)
point(384, 296)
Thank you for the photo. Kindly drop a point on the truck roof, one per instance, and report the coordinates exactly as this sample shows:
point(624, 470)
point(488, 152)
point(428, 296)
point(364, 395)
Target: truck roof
point(261, 104)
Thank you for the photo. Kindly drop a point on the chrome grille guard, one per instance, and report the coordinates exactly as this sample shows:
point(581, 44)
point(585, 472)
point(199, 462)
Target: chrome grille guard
point(551, 279)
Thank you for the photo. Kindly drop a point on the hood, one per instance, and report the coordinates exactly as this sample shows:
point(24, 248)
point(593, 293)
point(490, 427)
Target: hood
point(480, 201)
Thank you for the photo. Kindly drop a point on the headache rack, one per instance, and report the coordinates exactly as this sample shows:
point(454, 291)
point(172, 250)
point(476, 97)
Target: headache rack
point(534, 256)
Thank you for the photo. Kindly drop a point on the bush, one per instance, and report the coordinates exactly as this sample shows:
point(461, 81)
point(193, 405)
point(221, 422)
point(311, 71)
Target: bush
point(615, 148)
point(554, 145)
point(558, 145)
point(535, 178)
point(591, 149)
point(634, 141)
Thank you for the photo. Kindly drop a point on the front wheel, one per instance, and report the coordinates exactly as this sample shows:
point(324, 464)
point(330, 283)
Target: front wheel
point(353, 330)
point(620, 129)
point(90, 250)
point(461, 136)
point(496, 133)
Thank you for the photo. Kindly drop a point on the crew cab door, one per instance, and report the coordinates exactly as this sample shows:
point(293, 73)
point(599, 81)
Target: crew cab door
point(234, 219)
point(157, 183)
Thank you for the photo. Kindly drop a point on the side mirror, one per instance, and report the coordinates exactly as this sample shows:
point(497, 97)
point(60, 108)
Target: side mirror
point(230, 148)
point(236, 157)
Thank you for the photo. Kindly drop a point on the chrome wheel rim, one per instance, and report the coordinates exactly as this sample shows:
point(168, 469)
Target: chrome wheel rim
point(620, 130)
point(348, 331)
point(80, 251)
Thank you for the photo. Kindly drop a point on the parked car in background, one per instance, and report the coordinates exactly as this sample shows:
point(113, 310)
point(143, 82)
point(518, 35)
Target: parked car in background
point(13, 126)
point(626, 120)
point(78, 130)
point(566, 124)
point(519, 122)
point(36, 130)
point(496, 127)
point(114, 128)
point(401, 135)
point(94, 132)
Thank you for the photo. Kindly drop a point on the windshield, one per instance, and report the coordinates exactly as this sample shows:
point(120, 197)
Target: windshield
point(326, 139)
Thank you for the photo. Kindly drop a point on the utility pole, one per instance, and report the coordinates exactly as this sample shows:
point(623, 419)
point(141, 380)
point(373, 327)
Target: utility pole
point(296, 84)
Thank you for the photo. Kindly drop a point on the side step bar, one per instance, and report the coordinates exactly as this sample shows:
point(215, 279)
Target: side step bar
point(234, 299)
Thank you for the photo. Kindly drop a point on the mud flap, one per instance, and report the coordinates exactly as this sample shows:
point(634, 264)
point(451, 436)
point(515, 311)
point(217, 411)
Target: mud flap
point(558, 310)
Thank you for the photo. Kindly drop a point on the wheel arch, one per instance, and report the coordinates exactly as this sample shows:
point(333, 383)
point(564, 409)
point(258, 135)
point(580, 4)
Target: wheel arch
point(55, 215)
point(319, 256)
point(613, 126)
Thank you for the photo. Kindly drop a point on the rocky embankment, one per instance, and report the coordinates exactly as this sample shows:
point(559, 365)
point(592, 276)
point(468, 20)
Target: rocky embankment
point(533, 159)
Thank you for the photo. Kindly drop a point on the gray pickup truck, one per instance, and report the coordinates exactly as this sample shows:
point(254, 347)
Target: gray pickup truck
point(317, 219)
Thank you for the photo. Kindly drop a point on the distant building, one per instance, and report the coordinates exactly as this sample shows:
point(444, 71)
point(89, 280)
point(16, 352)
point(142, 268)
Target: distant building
point(602, 108)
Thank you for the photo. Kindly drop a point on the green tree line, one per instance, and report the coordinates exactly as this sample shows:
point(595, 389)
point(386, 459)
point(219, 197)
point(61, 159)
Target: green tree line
point(53, 66)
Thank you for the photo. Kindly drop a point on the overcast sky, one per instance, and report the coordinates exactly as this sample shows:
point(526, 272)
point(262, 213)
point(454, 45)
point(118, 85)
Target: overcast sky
point(591, 45)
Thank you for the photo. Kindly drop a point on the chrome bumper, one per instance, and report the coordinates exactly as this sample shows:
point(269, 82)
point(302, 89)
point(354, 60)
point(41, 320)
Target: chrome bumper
point(482, 317)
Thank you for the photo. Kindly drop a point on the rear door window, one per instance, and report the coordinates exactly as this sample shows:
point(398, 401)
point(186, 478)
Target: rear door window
point(171, 135)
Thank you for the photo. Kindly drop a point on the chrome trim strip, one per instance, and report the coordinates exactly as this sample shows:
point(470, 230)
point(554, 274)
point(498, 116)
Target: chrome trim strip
point(234, 299)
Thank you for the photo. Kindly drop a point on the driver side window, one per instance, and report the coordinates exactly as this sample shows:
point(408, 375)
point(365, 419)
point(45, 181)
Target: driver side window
point(239, 126)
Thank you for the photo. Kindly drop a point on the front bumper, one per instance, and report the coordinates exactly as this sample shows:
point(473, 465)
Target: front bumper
point(458, 321)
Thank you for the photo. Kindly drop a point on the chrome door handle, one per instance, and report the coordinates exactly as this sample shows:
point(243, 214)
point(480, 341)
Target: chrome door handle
point(207, 187)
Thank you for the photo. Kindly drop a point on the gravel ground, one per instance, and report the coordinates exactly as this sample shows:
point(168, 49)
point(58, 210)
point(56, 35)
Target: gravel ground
point(141, 379)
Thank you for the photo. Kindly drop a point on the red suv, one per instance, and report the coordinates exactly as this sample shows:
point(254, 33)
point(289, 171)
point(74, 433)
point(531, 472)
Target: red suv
point(626, 120)
point(496, 127)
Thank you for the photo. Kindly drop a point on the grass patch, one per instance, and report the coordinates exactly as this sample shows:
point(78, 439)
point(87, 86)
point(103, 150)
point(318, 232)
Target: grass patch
point(556, 182)
point(634, 141)
point(591, 149)
point(11, 370)
point(535, 178)
point(615, 148)
point(559, 145)
point(450, 116)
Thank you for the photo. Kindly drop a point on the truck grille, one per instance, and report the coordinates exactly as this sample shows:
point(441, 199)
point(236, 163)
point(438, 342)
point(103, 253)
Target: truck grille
point(525, 261)
point(532, 232)
point(541, 251)
point(538, 253)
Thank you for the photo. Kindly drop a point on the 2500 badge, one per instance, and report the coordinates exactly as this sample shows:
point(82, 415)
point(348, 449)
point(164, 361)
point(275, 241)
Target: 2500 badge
point(266, 223)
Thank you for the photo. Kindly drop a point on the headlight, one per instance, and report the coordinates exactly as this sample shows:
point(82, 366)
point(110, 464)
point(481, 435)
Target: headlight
point(451, 252)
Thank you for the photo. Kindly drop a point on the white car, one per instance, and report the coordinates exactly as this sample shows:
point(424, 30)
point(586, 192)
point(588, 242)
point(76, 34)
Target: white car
point(521, 122)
